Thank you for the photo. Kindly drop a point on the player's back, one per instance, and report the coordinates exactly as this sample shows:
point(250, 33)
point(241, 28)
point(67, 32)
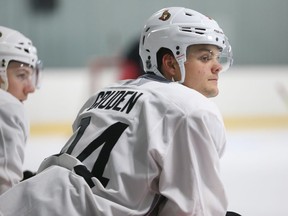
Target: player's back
point(122, 135)
point(14, 130)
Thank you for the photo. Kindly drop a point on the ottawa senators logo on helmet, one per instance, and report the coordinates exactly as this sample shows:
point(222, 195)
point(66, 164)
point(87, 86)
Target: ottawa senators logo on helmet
point(165, 15)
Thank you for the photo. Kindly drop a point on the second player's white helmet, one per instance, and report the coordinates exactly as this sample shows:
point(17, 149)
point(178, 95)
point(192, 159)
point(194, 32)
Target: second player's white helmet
point(15, 46)
point(176, 28)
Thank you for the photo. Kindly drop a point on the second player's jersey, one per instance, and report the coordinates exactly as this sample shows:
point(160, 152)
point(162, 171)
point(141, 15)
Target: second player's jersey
point(149, 140)
point(14, 130)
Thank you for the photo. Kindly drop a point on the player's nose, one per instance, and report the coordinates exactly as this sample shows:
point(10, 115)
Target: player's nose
point(30, 87)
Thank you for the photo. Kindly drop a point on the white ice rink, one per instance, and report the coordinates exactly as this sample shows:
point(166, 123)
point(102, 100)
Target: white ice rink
point(254, 168)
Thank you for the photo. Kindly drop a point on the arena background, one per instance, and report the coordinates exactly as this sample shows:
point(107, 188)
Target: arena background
point(81, 43)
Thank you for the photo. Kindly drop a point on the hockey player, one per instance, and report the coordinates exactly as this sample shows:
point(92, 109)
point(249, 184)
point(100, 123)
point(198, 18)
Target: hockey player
point(149, 146)
point(18, 78)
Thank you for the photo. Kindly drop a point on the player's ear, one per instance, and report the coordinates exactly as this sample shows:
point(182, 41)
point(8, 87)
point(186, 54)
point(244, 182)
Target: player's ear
point(169, 66)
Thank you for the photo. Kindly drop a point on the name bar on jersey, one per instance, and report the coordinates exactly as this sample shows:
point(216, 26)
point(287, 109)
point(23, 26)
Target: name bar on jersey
point(122, 101)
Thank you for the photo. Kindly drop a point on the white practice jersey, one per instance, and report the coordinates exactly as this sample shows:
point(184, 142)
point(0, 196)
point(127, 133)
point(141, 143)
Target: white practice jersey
point(143, 147)
point(14, 129)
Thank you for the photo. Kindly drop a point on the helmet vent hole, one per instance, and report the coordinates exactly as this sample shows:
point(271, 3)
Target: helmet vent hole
point(147, 29)
point(200, 29)
point(186, 29)
point(26, 50)
point(188, 14)
point(201, 33)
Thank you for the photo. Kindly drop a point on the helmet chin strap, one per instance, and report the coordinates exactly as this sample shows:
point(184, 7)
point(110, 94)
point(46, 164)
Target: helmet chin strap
point(157, 72)
point(182, 70)
point(4, 84)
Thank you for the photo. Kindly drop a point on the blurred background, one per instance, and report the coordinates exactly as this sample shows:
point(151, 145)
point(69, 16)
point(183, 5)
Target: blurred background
point(86, 45)
point(70, 33)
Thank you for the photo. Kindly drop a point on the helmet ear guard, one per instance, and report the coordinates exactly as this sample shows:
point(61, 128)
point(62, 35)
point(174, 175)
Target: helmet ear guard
point(14, 46)
point(176, 28)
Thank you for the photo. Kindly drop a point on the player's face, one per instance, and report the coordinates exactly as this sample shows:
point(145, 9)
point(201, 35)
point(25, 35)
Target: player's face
point(202, 69)
point(20, 82)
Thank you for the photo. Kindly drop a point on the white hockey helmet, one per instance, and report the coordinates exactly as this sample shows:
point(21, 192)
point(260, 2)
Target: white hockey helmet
point(176, 28)
point(15, 46)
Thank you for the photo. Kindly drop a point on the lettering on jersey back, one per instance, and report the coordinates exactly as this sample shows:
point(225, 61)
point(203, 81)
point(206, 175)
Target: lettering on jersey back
point(122, 101)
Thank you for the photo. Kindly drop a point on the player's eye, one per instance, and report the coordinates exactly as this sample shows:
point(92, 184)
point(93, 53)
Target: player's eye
point(23, 74)
point(205, 58)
